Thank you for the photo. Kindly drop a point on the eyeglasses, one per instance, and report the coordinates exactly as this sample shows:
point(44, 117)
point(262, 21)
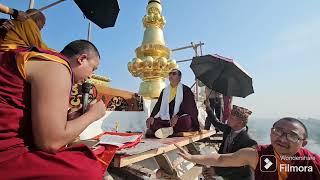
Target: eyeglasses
point(173, 73)
point(293, 137)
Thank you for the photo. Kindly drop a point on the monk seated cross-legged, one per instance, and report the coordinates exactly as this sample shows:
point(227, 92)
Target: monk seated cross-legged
point(175, 110)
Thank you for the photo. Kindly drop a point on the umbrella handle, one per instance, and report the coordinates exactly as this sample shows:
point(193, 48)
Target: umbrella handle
point(46, 7)
point(210, 93)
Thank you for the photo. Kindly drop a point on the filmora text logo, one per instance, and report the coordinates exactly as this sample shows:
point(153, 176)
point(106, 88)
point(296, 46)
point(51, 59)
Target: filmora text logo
point(268, 163)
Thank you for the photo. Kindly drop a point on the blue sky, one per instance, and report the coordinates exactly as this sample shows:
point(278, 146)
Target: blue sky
point(277, 42)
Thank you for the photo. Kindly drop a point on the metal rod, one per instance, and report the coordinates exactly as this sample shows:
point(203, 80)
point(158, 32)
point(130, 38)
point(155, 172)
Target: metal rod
point(31, 4)
point(193, 85)
point(46, 7)
point(50, 5)
point(186, 47)
point(197, 90)
point(184, 60)
point(195, 48)
point(89, 31)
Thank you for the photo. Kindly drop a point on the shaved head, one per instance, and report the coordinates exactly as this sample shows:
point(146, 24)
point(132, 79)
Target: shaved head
point(288, 135)
point(295, 121)
point(38, 17)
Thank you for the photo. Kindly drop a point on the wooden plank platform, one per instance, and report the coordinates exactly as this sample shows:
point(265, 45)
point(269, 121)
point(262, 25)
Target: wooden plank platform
point(124, 160)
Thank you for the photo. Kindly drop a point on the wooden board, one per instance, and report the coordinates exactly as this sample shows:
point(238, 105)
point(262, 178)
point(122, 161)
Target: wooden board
point(123, 160)
point(184, 134)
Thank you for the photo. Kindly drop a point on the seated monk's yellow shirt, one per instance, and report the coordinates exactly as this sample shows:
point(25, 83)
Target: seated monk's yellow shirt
point(23, 34)
point(173, 92)
point(282, 175)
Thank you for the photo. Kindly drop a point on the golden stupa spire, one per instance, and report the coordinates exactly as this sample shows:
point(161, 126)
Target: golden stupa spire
point(152, 62)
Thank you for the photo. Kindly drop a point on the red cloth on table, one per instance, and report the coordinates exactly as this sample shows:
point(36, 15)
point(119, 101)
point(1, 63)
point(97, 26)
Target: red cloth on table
point(105, 153)
point(19, 159)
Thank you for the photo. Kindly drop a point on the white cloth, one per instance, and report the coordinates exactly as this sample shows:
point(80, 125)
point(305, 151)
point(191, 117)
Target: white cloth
point(164, 108)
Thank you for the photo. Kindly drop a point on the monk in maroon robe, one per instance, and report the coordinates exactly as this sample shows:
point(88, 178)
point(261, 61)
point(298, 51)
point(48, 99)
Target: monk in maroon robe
point(284, 159)
point(175, 108)
point(34, 100)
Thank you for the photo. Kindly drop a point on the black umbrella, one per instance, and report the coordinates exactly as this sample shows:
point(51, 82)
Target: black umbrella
point(101, 12)
point(222, 75)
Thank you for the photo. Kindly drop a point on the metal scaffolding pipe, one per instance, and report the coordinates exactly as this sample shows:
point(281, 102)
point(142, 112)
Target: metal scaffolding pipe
point(31, 4)
point(186, 47)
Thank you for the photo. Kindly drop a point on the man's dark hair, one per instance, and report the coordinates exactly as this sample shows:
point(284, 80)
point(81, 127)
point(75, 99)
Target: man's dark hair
point(179, 72)
point(294, 120)
point(79, 47)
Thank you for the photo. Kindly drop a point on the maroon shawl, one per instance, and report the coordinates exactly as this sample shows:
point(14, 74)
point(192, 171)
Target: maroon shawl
point(314, 162)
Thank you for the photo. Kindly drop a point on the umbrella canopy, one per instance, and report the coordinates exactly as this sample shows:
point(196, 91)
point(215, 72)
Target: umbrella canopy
point(222, 75)
point(101, 12)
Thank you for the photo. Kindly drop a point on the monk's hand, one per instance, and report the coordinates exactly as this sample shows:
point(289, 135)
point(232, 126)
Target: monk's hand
point(149, 122)
point(74, 113)
point(173, 121)
point(97, 109)
point(187, 156)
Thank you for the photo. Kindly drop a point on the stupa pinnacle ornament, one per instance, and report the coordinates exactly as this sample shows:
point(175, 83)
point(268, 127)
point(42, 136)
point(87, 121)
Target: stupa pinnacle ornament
point(152, 62)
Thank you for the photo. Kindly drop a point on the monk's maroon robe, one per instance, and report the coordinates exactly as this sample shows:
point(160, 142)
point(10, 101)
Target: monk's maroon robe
point(185, 123)
point(303, 153)
point(19, 158)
